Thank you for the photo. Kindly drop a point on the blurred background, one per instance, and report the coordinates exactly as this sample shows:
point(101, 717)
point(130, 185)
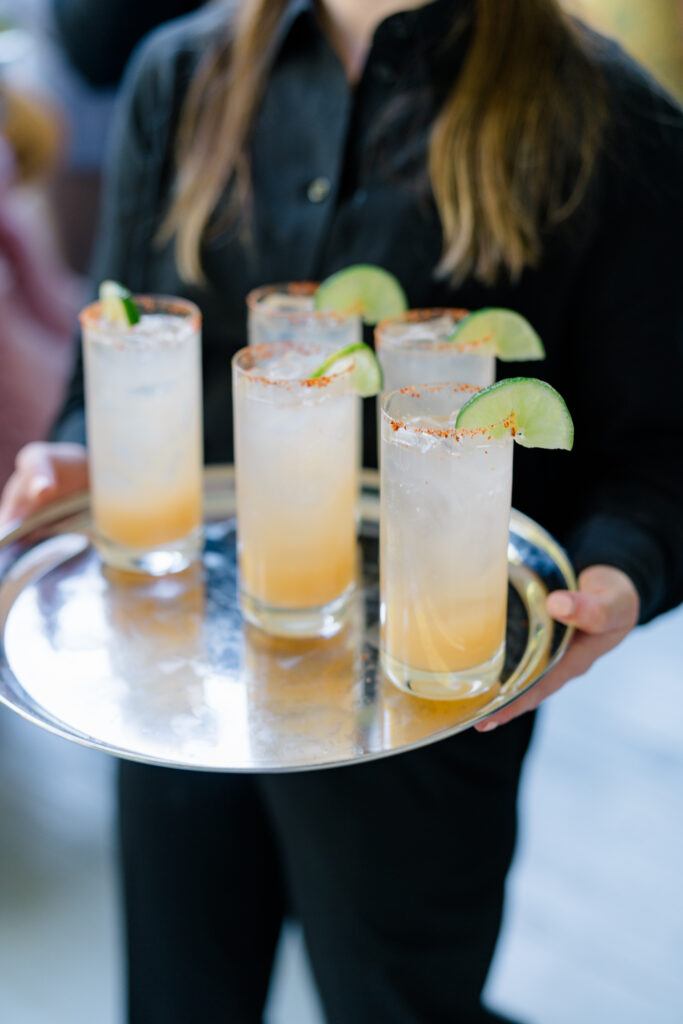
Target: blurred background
point(594, 925)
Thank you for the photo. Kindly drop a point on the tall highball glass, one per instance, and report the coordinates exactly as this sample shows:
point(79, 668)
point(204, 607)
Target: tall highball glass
point(445, 511)
point(144, 428)
point(296, 464)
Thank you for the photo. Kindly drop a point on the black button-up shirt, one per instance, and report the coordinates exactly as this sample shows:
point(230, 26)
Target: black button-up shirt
point(339, 175)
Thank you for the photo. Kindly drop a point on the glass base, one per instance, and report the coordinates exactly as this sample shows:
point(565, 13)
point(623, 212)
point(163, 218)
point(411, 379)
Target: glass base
point(468, 683)
point(325, 620)
point(168, 558)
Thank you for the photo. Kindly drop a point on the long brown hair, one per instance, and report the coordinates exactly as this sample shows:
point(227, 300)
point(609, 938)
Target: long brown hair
point(510, 154)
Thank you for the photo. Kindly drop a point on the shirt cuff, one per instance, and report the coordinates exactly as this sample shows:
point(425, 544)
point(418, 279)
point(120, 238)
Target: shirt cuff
point(610, 540)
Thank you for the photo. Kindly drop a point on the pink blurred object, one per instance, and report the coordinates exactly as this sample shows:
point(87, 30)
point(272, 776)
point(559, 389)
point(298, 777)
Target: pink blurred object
point(39, 300)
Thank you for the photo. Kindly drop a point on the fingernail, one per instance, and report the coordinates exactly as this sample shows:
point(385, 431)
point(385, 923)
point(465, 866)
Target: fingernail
point(564, 605)
point(39, 486)
point(488, 726)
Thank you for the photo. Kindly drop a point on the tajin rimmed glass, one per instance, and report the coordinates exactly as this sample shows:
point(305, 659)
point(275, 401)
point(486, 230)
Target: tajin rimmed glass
point(296, 471)
point(444, 523)
point(286, 312)
point(143, 399)
point(413, 348)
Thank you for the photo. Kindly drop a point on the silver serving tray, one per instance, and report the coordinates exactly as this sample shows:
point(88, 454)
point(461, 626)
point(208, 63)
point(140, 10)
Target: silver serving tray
point(167, 672)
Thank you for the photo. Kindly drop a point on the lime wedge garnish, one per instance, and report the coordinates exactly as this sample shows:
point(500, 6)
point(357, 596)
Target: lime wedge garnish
point(502, 332)
point(370, 291)
point(533, 410)
point(366, 373)
point(118, 305)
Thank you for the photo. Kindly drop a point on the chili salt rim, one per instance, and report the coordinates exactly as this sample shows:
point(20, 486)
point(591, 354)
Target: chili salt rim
point(257, 353)
point(91, 316)
point(417, 316)
point(296, 289)
point(460, 434)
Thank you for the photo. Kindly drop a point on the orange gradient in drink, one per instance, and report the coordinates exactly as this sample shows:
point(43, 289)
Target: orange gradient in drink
point(437, 633)
point(159, 519)
point(293, 564)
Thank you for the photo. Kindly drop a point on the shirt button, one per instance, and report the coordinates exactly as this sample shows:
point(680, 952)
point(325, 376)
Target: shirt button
point(318, 190)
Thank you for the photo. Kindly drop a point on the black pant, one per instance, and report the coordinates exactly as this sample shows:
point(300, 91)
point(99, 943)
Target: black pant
point(394, 868)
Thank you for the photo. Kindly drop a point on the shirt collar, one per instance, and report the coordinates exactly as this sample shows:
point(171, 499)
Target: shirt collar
point(431, 23)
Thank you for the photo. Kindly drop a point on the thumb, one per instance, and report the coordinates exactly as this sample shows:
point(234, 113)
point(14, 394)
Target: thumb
point(52, 470)
point(606, 600)
point(35, 464)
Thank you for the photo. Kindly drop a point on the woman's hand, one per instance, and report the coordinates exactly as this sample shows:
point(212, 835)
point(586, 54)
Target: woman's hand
point(604, 609)
point(43, 473)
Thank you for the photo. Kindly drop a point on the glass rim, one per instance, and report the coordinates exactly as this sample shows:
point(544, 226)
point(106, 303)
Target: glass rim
point(443, 433)
point(91, 315)
point(417, 316)
point(294, 288)
point(257, 353)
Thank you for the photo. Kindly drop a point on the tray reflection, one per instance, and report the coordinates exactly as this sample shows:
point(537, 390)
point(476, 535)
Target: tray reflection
point(166, 671)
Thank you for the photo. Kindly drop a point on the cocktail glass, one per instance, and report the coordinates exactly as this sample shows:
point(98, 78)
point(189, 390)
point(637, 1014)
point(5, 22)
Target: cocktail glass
point(413, 349)
point(296, 463)
point(144, 429)
point(286, 312)
point(445, 511)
